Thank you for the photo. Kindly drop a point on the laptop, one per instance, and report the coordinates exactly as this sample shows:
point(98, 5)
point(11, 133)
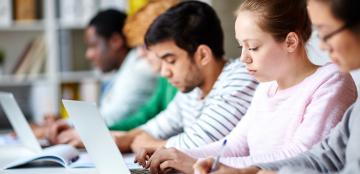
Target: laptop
point(96, 137)
point(19, 123)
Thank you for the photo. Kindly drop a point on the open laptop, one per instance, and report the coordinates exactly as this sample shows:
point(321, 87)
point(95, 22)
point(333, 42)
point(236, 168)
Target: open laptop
point(96, 137)
point(19, 122)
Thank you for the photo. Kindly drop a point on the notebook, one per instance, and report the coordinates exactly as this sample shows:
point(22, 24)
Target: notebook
point(96, 137)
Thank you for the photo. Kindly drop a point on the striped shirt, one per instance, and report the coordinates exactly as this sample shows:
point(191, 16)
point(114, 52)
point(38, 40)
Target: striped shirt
point(190, 122)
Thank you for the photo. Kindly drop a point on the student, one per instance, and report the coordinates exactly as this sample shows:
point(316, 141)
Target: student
point(214, 94)
point(293, 108)
point(338, 24)
point(134, 31)
point(133, 83)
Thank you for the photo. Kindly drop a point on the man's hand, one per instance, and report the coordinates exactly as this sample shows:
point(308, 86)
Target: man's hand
point(165, 160)
point(50, 119)
point(39, 130)
point(143, 155)
point(145, 140)
point(55, 130)
point(70, 136)
point(204, 167)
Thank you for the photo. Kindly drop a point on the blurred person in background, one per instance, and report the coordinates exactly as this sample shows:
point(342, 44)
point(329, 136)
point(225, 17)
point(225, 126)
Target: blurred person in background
point(134, 31)
point(131, 86)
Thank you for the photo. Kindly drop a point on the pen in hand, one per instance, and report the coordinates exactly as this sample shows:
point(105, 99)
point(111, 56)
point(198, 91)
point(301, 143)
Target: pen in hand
point(215, 165)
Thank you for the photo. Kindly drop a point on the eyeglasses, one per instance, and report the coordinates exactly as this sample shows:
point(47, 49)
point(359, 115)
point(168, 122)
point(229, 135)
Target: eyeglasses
point(330, 35)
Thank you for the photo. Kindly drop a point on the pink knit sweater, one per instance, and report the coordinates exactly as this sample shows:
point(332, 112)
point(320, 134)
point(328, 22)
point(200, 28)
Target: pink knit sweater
point(281, 124)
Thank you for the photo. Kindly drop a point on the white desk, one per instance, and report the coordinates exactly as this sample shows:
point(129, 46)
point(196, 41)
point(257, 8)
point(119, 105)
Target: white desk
point(9, 154)
point(49, 171)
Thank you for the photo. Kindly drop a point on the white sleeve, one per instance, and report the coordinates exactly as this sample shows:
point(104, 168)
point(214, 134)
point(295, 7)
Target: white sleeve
point(133, 85)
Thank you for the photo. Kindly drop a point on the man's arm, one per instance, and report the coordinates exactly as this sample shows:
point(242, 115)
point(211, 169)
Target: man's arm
point(123, 140)
point(168, 122)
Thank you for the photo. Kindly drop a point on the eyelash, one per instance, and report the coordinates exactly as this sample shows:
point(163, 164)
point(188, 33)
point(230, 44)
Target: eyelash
point(253, 49)
point(172, 62)
point(250, 49)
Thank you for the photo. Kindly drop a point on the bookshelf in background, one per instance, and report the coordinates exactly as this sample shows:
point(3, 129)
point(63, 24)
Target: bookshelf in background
point(5, 12)
point(22, 37)
point(27, 10)
point(44, 50)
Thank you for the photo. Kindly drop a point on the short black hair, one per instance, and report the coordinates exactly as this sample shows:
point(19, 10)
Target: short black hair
point(108, 22)
point(189, 24)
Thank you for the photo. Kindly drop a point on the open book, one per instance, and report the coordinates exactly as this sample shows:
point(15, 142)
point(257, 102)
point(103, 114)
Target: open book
point(59, 155)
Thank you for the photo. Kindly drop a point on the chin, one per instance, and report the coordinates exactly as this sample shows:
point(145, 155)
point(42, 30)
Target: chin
point(186, 89)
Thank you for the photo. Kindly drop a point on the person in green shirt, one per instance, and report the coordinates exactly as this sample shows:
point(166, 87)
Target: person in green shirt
point(134, 31)
point(158, 102)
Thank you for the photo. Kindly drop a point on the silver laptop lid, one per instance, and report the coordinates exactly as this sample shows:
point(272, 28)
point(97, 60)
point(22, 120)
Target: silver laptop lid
point(18, 122)
point(96, 137)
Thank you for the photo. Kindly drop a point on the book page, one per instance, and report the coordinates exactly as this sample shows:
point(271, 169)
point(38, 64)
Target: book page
point(60, 154)
point(84, 161)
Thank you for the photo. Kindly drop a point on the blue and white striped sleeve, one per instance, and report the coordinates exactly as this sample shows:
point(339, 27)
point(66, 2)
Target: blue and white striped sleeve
point(168, 122)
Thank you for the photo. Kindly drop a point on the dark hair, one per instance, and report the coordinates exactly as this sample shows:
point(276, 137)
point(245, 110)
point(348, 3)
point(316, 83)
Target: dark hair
point(280, 17)
point(348, 11)
point(108, 22)
point(189, 24)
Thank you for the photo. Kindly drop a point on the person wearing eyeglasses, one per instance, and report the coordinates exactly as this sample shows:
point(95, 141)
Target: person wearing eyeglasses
point(338, 24)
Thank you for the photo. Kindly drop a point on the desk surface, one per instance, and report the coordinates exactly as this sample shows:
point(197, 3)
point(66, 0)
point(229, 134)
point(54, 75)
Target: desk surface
point(56, 170)
point(12, 153)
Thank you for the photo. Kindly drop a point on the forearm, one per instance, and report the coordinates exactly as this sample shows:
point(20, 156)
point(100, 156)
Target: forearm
point(124, 141)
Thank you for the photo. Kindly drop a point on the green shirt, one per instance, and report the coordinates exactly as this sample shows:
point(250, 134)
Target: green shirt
point(158, 102)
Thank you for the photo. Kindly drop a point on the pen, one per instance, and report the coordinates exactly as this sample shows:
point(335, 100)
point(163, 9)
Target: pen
point(215, 165)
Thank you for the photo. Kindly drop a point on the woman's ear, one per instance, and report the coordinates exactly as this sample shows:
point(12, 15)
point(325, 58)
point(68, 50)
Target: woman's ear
point(292, 42)
point(203, 55)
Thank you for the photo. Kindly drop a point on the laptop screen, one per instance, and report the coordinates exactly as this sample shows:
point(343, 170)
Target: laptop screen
point(96, 137)
point(18, 122)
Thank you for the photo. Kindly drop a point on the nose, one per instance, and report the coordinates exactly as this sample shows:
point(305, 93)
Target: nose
point(245, 57)
point(165, 71)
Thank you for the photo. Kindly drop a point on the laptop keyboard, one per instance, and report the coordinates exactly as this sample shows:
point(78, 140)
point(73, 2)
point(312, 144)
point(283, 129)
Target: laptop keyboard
point(139, 171)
